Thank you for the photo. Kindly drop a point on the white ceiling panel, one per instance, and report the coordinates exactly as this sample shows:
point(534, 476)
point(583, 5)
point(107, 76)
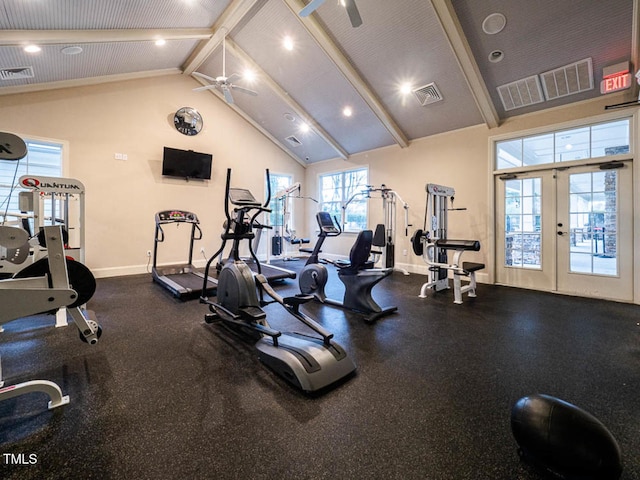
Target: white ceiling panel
point(51, 65)
point(109, 14)
point(332, 64)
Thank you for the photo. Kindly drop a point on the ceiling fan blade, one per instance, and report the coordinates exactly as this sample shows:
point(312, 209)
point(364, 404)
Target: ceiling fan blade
point(226, 91)
point(233, 77)
point(206, 87)
point(310, 8)
point(244, 90)
point(354, 14)
point(202, 75)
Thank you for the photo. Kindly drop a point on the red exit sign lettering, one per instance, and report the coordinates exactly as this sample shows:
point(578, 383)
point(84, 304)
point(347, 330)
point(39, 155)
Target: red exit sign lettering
point(615, 83)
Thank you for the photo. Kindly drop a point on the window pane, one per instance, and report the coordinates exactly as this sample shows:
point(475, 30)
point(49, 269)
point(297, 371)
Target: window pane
point(572, 144)
point(591, 141)
point(42, 159)
point(509, 154)
point(538, 150)
point(610, 138)
point(593, 219)
point(337, 189)
point(522, 214)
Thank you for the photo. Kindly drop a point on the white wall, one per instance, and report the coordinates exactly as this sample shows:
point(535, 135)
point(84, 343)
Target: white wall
point(136, 118)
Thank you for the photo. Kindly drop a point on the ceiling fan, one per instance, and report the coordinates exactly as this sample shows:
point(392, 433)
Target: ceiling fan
point(350, 5)
point(223, 83)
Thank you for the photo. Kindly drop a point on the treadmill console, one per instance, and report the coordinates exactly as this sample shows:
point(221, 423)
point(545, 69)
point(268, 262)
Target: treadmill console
point(243, 198)
point(174, 216)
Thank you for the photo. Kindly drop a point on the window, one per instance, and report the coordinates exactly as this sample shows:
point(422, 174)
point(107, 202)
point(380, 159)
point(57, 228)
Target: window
point(343, 188)
point(523, 221)
point(43, 158)
point(278, 183)
point(591, 141)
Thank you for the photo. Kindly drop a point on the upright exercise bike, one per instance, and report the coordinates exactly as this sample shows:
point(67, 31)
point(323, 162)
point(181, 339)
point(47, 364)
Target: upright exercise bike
point(358, 275)
point(307, 361)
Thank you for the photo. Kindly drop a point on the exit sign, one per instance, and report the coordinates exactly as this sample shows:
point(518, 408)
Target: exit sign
point(615, 78)
point(615, 83)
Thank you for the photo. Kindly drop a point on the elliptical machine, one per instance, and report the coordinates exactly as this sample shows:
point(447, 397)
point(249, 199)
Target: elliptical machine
point(358, 275)
point(308, 362)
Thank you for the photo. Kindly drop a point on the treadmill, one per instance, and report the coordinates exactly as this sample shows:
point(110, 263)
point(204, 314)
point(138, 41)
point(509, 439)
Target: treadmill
point(183, 280)
point(272, 273)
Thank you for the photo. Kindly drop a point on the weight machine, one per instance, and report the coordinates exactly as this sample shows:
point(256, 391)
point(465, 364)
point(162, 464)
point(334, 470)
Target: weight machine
point(47, 201)
point(46, 285)
point(285, 235)
point(384, 236)
point(433, 246)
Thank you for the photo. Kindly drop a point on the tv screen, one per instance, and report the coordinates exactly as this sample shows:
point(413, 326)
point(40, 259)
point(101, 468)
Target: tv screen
point(186, 164)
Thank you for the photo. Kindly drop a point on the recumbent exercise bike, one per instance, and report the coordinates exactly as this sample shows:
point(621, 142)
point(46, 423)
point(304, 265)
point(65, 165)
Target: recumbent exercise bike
point(358, 275)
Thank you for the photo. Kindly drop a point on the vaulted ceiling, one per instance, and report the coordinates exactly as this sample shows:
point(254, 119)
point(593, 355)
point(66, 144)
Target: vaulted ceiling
point(461, 62)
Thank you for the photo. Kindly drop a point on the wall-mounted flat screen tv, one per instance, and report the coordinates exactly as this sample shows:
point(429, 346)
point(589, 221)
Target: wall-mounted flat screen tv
point(186, 164)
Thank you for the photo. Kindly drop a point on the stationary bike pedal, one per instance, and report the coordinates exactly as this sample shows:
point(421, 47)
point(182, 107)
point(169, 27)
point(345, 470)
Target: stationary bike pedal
point(297, 300)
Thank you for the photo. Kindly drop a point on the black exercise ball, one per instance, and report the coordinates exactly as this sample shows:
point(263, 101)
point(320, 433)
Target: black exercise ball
point(564, 439)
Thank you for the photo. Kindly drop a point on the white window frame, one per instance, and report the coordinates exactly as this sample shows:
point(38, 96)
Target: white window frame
point(32, 168)
point(345, 196)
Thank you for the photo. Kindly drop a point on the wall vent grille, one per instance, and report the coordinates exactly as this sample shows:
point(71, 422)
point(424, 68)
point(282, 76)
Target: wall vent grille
point(568, 80)
point(521, 93)
point(16, 73)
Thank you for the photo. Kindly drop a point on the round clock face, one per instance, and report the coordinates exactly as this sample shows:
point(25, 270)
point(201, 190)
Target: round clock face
point(188, 121)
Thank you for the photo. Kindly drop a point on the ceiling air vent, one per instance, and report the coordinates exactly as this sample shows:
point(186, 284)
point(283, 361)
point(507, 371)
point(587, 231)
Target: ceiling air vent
point(16, 73)
point(567, 80)
point(521, 93)
point(427, 94)
point(293, 141)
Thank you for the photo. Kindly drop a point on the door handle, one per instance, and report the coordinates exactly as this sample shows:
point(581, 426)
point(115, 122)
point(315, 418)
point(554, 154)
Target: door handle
point(562, 233)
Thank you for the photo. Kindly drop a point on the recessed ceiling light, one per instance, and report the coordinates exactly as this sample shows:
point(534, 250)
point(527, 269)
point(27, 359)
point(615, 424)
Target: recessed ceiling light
point(304, 128)
point(405, 88)
point(160, 42)
point(496, 56)
point(72, 50)
point(347, 111)
point(287, 43)
point(494, 23)
point(289, 117)
point(249, 75)
point(32, 49)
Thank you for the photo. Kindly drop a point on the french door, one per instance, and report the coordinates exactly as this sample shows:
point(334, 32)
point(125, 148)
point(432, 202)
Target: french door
point(567, 230)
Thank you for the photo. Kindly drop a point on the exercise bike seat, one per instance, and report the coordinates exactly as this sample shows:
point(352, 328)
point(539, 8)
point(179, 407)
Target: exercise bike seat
point(358, 255)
